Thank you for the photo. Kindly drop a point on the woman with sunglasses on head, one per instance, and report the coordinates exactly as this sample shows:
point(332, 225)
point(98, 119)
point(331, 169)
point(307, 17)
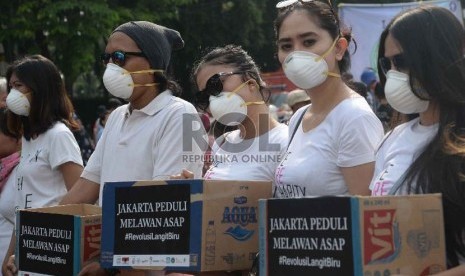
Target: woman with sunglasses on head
point(40, 111)
point(332, 140)
point(231, 89)
point(427, 154)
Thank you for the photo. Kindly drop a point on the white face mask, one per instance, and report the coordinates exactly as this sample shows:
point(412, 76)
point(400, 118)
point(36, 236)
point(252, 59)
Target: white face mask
point(119, 83)
point(307, 70)
point(229, 108)
point(400, 96)
point(18, 103)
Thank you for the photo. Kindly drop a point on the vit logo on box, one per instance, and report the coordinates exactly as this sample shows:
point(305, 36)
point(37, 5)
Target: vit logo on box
point(92, 235)
point(382, 238)
point(372, 236)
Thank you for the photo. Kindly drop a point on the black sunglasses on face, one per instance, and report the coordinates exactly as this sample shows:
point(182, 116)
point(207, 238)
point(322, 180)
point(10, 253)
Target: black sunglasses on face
point(213, 87)
point(119, 57)
point(398, 61)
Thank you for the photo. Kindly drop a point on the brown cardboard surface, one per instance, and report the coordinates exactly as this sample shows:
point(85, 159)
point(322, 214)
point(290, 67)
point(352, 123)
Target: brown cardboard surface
point(231, 207)
point(81, 210)
point(231, 253)
point(389, 235)
point(421, 242)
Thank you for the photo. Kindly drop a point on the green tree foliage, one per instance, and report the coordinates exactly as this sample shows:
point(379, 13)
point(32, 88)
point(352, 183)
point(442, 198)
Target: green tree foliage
point(66, 31)
point(210, 23)
point(72, 33)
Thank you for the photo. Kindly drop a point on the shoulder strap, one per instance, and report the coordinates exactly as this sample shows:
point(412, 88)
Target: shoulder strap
point(297, 126)
point(401, 179)
point(398, 183)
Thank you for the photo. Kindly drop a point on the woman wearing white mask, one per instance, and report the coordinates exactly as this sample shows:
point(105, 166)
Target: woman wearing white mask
point(142, 139)
point(426, 155)
point(230, 87)
point(145, 139)
point(332, 140)
point(41, 112)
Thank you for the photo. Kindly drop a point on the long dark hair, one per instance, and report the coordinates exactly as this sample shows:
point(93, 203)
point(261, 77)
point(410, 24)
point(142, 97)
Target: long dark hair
point(4, 125)
point(50, 102)
point(432, 43)
point(165, 81)
point(327, 20)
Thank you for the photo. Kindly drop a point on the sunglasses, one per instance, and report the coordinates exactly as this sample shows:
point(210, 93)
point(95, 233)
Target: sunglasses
point(398, 61)
point(213, 87)
point(119, 57)
point(288, 3)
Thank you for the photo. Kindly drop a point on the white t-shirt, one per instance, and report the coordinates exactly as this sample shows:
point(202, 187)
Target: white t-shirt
point(38, 179)
point(7, 213)
point(250, 159)
point(154, 142)
point(398, 151)
point(347, 137)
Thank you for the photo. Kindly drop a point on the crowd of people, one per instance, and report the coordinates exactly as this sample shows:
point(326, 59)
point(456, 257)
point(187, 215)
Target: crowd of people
point(404, 133)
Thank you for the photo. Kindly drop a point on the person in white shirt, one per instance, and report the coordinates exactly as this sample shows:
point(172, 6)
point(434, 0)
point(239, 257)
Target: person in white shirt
point(332, 140)
point(427, 154)
point(10, 147)
point(40, 110)
point(145, 139)
point(231, 89)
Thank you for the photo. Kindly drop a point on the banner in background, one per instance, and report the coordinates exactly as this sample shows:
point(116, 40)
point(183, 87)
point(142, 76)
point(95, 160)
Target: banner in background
point(369, 20)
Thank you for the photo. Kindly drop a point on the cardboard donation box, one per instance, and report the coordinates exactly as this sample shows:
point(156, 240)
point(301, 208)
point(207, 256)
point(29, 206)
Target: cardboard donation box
point(181, 225)
point(352, 236)
point(57, 240)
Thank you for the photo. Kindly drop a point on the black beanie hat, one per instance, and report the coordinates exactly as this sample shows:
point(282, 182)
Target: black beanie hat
point(155, 41)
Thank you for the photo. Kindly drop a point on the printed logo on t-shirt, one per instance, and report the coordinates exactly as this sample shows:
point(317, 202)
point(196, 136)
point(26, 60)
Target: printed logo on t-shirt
point(34, 157)
point(282, 190)
point(289, 191)
point(383, 184)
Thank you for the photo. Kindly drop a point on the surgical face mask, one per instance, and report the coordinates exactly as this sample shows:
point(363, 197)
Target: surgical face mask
point(229, 108)
point(400, 96)
point(307, 70)
point(18, 103)
point(119, 83)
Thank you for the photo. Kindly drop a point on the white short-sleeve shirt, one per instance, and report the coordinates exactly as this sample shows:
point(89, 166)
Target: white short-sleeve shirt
point(38, 179)
point(397, 152)
point(347, 137)
point(250, 159)
point(154, 142)
point(7, 213)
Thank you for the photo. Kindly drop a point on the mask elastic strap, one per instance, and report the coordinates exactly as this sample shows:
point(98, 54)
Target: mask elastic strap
point(331, 74)
point(325, 54)
point(253, 103)
point(146, 85)
point(144, 71)
point(239, 88)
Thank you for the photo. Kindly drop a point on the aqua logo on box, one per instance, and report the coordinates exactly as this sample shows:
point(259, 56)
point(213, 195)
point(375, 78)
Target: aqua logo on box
point(239, 215)
point(382, 237)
